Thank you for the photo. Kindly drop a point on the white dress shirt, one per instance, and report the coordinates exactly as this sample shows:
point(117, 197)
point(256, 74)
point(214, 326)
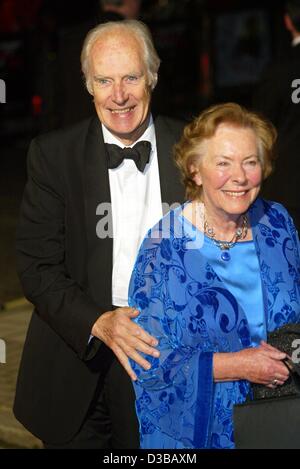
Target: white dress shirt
point(136, 207)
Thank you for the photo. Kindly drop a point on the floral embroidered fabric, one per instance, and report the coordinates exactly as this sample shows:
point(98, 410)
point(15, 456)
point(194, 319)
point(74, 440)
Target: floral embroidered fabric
point(187, 307)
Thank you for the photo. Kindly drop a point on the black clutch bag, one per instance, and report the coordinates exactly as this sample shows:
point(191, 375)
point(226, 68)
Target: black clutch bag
point(272, 419)
point(283, 339)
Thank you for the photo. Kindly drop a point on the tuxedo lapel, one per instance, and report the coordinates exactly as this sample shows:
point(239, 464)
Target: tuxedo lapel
point(98, 211)
point(98, 200)
point(171, 188)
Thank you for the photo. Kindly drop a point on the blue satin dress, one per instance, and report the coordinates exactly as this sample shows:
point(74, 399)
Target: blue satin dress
point(241, 275)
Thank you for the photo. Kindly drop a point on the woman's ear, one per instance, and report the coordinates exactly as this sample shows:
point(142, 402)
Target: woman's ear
point(196, 174)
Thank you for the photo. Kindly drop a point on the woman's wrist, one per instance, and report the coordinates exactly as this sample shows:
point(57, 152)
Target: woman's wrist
point(228, 366)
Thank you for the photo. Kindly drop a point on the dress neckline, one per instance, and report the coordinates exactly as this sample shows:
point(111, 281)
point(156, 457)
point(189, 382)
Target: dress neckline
point(205, 237)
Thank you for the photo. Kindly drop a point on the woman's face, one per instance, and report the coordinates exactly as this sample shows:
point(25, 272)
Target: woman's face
point(229, 171)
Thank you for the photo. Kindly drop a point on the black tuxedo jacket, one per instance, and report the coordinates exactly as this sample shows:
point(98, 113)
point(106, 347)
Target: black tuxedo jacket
point(66, 271)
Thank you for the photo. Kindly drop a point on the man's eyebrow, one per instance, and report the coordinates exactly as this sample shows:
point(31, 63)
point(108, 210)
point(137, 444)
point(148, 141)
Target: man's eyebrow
point(104, 77)
point(101, 77)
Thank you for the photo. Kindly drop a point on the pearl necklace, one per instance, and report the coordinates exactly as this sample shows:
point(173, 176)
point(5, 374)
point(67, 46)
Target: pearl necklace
point(240, 233)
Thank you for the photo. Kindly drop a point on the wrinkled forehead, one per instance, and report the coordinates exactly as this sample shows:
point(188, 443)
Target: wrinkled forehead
point(117, 54)
point(230, 127)
point(232, 133)
point(229, 139)
point(121, 42)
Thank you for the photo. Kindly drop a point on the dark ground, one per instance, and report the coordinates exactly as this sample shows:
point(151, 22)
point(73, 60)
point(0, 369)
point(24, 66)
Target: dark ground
point(12, 181)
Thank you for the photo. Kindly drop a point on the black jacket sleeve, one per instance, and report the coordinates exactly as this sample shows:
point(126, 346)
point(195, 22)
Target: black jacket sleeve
point(46, 282)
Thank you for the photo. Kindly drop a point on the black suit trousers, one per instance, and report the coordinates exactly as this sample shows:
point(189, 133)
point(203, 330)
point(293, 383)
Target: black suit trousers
point(111, 422)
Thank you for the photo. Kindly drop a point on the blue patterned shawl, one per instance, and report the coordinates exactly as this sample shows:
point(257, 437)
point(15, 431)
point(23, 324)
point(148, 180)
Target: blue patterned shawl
point(187, 307)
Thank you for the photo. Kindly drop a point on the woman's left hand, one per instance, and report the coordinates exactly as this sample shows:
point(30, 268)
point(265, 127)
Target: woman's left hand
point(261, 365)
point(267, 346)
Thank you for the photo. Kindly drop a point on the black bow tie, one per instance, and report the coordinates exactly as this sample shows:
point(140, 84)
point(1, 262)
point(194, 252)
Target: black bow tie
point(139, 153)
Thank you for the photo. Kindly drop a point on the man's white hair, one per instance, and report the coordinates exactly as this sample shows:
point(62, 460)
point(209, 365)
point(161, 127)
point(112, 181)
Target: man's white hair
point(142, 34)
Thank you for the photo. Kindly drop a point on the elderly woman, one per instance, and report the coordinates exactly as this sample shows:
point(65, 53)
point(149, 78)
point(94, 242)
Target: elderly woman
point(212, 278)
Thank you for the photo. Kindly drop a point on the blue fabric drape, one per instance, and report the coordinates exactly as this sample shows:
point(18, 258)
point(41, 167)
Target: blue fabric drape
point(188, 308)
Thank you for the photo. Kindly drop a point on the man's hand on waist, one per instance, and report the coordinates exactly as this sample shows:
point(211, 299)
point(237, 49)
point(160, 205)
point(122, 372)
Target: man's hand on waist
point(125, 338)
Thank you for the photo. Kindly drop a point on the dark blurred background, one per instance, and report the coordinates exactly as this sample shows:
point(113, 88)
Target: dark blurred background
point(211, 51)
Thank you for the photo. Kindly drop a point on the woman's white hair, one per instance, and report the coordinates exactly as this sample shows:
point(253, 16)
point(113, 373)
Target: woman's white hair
point(143, 35)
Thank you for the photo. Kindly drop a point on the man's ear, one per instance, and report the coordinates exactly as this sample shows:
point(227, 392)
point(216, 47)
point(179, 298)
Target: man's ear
point(196, 174)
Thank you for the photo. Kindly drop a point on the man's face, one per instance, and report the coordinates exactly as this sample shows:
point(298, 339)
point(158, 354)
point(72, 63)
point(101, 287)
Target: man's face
point(119, 84)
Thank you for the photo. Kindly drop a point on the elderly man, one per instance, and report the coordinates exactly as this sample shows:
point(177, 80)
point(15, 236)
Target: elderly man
point(86, 207)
